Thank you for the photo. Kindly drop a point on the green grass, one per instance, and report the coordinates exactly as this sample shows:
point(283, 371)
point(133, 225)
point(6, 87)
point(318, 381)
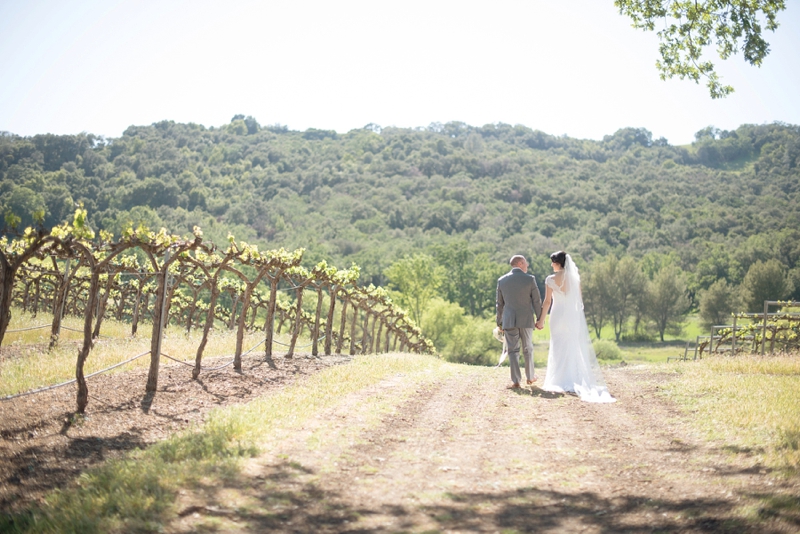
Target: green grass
point(137, 493)
point(653, 351)
point(690, 329)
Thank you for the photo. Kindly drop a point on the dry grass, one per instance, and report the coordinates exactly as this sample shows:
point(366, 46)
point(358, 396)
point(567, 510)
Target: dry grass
point(749, 403)
point(29, 365)
point(137, 493)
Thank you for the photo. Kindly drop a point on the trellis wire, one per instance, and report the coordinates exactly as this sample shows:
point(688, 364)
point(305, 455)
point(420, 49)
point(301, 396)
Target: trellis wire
point(47, 388)
point(29, 328)
point(164, 354)
point(42, 326)
point(254, 347)
point(299, 346)
point(9, 397)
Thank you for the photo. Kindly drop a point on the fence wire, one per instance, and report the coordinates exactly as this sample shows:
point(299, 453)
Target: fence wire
point(9, 397)
point(29, 328)
point(68, 382)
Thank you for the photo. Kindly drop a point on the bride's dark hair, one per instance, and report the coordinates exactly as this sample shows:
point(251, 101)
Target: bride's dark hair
point(559, 257)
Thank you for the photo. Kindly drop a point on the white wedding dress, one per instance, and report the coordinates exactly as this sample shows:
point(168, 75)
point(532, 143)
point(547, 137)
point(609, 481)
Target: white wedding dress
point(572, 364)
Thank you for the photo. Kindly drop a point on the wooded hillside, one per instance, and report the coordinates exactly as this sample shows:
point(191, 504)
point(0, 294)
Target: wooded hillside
point(372, 196)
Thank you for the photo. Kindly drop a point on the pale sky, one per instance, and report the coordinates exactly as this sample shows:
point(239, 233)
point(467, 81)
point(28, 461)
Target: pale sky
point(573, 67)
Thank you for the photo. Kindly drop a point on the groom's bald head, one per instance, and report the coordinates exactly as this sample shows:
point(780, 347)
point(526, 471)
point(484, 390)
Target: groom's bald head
point(519, 261)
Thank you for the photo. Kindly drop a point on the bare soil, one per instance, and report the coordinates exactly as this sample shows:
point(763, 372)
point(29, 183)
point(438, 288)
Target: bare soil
point(458, 455)
point(44, 446)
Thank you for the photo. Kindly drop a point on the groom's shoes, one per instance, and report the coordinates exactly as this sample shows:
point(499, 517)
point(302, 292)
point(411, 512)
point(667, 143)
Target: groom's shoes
point(514, 386)
point(532, 380)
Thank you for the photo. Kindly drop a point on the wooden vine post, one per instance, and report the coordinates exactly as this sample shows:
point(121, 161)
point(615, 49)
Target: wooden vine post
point(280, 260)
point(300, 278)
point(354, 324)
point(365, 304)
point(249, 286)
point(59, 305)
point(340, 338)
point(103, 302)
point(172, 248)
point(140, 283)
point(333, 290)
point(158, 324)
point(218, 265)
point(321, 276)
point(343, 280)
point(12, 256)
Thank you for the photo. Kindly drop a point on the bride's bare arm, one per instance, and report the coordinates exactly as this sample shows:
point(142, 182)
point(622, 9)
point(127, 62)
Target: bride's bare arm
point(548, 299)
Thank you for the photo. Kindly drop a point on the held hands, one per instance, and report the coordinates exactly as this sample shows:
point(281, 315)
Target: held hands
point(540, 324)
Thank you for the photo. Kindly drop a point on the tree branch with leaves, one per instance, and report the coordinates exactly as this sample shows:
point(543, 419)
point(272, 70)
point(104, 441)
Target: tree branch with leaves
point(689, 27)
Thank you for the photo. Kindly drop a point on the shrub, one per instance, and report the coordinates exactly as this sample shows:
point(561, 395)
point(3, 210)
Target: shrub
point(472, 342)
point(605, 349)
point(642, 336)
point(439, 321)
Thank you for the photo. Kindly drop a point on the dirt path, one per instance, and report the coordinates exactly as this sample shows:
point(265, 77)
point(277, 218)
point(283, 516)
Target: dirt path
point(468, 455)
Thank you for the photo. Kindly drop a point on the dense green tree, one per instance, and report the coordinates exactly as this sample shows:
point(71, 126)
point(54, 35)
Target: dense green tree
point(470, 276)
point(669, 301)
point(472, 342)
point(765, 280)
point(718, 302)
point(415, 280)
point(594, 298)
point(27, 205)
point(611, 292)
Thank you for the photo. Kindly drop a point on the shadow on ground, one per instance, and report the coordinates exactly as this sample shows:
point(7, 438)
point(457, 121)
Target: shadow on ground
point(280, 501)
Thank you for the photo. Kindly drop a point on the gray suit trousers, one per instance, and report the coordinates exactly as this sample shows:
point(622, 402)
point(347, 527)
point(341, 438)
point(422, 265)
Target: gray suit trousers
point(515, 337)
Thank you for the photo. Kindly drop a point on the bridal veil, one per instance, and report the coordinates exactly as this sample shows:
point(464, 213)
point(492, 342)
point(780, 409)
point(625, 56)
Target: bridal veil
point(572, 363)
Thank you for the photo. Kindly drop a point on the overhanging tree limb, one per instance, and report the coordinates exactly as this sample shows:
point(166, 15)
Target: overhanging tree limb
point(688, 27)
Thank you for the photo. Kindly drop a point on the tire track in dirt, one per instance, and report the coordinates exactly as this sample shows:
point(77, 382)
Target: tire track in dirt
point(467, 455)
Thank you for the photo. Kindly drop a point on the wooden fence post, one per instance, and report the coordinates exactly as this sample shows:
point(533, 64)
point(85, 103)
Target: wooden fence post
point(378, 336)
point(373, 341)
point(270, 320)
point(315, 333)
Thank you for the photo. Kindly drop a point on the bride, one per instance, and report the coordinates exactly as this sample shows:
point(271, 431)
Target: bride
point(571, 364)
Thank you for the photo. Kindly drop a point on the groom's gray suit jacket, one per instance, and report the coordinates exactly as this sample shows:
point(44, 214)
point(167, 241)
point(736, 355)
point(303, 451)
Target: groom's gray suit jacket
point(518, 298)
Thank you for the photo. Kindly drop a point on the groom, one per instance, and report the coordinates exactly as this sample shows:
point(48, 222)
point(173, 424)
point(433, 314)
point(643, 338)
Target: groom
point(518, 298)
